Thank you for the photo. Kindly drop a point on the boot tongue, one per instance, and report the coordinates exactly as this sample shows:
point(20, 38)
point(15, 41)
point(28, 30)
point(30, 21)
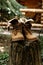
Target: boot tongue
point(27, 29)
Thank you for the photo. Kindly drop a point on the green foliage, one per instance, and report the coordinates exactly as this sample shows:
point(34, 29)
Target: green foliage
point(11, 8)
point(4, 58)
point(41, 44)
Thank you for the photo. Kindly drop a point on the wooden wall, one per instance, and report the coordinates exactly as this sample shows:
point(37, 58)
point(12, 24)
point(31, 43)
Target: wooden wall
point(31, 4)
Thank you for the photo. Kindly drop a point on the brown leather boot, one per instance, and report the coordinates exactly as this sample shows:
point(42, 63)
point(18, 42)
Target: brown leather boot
point(28, 34)
point(17, 33)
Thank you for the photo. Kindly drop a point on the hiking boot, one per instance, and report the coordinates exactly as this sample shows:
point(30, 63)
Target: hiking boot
point(28, 34)
point(17, 33)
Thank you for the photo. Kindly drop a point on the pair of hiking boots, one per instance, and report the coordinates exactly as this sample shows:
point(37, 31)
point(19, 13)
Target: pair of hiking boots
point(21, 31)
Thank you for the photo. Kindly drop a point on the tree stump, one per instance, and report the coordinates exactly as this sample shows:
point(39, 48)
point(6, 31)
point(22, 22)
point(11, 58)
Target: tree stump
point(22, 54)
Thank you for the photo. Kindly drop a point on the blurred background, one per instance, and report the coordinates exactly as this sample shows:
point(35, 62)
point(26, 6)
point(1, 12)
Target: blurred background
point(10, 9)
